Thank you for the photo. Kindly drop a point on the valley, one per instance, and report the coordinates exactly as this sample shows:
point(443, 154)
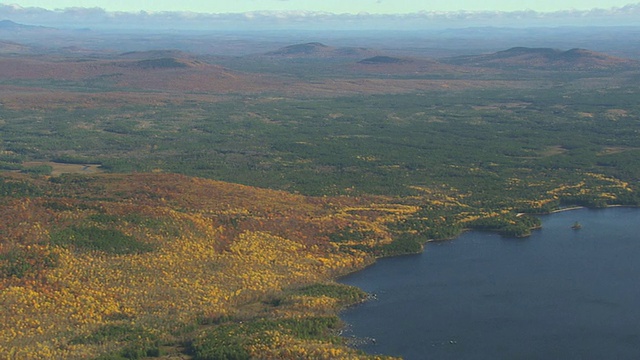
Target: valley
point(164, 202)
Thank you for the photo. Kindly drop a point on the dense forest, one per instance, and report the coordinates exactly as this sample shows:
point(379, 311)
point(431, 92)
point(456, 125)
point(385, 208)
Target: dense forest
point(141, 223)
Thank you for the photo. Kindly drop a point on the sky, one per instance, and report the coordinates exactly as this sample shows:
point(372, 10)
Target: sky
point(318, 14)
point(331, 6)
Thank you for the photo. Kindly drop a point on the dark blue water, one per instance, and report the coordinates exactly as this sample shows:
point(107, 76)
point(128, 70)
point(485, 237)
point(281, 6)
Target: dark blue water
point(559, 294)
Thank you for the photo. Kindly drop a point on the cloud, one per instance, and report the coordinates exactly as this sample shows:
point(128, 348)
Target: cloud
point(98, 18)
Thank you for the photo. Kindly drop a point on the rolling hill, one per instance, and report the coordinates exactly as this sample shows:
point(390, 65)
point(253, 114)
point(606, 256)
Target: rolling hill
point(151, 73)
point(408, 66)
point(545, 58)
point(319, 50)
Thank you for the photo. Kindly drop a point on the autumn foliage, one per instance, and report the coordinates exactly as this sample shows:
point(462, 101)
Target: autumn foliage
point(154, 254)
point(131, 264)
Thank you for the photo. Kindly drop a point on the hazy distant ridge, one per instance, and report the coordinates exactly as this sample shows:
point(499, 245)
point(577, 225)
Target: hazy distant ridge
point(317, 49)
point(540, 58)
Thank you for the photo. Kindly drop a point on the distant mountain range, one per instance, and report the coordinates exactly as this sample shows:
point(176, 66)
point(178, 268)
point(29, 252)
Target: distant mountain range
point(545, 58)
point(8, 25)
point(180, 70)
point(514, 58)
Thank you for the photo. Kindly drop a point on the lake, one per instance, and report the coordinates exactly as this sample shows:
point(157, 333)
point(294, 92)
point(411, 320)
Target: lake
point(559, 294)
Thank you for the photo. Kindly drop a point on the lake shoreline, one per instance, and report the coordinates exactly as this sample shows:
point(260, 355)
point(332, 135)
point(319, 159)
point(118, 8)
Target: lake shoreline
point(561, 210)
point(516, 254)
